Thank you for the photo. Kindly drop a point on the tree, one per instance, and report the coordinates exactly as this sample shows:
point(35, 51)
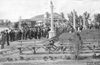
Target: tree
point(2, 22)
point(97, 18)
point(24, 25)
point(80, 19)
point(96, 21)
point(47, 15)
point(70, 16)
point(8, 23)
point(87, 16)
point(33, 23)
point(77, 45)
point(76, 17)
point(62, 15)
point(16, 25)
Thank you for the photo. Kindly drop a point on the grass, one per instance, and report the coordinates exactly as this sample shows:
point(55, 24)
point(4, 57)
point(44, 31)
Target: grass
point(85, 34)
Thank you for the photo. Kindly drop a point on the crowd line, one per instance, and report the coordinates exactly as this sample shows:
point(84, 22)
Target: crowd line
point(25, 34)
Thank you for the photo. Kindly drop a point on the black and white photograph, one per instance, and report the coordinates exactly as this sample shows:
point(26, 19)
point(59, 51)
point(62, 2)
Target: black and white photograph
point(49, 32)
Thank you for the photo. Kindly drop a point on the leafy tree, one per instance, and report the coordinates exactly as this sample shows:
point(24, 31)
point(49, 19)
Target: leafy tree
point(77, 45)
point(16, 25)
point(8, 23)
point(97, 18)
point(70, 16)
point(96, 21)
point(47, 14)
point(87, 16)
point(33, 23)
point(62, 15)
point(80, 19)
point(24, 25)
point(2, 22)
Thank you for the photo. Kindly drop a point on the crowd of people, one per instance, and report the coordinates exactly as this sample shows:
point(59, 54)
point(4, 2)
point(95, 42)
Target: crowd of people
point(36, 33)
point(25, 34)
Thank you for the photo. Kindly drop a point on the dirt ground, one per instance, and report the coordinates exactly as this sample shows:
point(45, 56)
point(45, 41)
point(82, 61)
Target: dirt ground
point(46, 63)
point(59, 62)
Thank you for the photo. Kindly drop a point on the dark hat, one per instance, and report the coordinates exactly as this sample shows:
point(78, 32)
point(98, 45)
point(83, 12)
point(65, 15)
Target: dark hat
point(6, 30)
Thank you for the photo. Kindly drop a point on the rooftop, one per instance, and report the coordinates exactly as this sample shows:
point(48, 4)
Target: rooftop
point(42, 16)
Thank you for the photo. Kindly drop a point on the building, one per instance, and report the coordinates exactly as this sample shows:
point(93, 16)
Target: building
point(45, 18)
point(26, 23)
point(40, 20)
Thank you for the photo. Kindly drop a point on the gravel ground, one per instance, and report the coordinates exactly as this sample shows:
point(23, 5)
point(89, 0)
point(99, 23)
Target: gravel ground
point(71, 62)
point(59, 62)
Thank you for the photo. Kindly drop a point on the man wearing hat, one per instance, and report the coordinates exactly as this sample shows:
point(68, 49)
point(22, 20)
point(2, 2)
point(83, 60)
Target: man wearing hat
point(7, 37)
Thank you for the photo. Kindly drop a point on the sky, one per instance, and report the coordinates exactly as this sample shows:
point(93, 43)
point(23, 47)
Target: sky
point(13, 9)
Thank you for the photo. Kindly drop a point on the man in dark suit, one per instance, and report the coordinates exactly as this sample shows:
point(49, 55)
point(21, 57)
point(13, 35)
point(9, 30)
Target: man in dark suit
point(7, 37)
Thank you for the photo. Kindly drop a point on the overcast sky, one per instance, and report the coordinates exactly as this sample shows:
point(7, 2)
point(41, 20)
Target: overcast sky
point(12, 9)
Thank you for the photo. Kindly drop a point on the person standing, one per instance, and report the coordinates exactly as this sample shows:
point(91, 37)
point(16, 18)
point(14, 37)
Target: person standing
point(24, 32)
point(32, 34)
point(38, 33)
point(2, 40)
point(11, 35)
point(47, 32)
point(35, 33)
point(20, 34)
point(7, 37)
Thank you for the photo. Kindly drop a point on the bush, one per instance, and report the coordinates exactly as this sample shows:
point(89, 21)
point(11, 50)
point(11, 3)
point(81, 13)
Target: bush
point(32, 58)
point(45, 58)
point(64, 58)
point(94, 56)
point(21, 58)
point(68, 58)
point(28, 59)
point(16, 59)
point(9, 59)
point(99, 56)
point(3, 59)
point(82, 58)
point(51, 58)
point(56, 58)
